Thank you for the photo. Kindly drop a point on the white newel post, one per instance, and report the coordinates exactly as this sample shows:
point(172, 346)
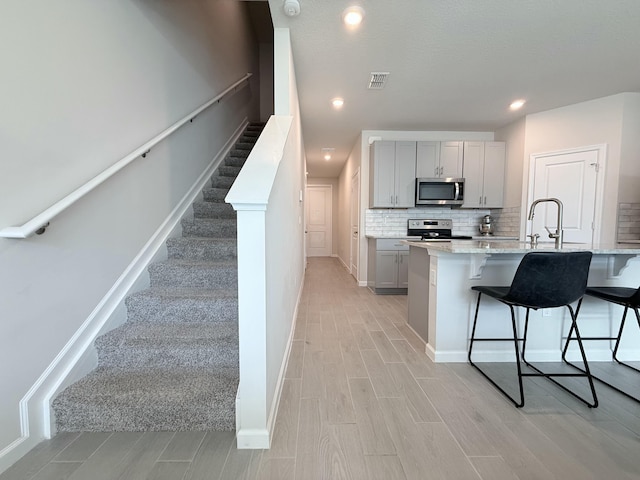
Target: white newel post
point(251, 406)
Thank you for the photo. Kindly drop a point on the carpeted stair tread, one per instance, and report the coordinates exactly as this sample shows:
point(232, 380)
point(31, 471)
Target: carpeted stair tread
point(189, 273)
point(244, 145)
point(215, 194)
point(202, 248)
point(209, 227)
point(237, 153)
point(204, 209)
point(184, 305)
point(222, 182)
point(234, 161)
point(228, 171)
point(169, 345)
point(153, 399)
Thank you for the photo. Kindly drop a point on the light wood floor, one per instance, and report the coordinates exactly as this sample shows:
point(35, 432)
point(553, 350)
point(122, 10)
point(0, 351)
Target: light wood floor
point(362, 401)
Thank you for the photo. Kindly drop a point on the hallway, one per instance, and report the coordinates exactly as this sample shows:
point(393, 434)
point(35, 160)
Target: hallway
point(361, 401)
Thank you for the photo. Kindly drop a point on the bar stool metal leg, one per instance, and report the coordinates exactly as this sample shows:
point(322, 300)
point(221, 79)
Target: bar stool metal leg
point(518, 403)
point(585, 372)
point(574, 328)
point(615, 350)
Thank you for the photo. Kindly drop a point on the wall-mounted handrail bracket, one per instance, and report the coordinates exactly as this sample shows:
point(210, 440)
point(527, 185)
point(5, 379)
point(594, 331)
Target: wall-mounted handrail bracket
point(42, 229)
point(40, 222)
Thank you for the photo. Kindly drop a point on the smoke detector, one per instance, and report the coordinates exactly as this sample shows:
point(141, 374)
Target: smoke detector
point(291, 8)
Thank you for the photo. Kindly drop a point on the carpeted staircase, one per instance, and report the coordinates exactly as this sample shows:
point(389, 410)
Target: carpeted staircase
point(174, 364)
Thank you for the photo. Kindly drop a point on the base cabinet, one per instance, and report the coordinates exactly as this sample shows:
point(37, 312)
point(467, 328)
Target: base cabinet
point(388, 266)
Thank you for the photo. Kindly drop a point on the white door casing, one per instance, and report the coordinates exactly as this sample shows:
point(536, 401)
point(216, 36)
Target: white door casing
point(576, 178)
point(319, 219)
point(354, 219)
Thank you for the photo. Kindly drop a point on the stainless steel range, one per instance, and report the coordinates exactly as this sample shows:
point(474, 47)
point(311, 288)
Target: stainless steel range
point(437, 230)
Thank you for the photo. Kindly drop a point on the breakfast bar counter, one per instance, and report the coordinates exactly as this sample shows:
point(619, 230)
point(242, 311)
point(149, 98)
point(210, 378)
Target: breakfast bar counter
point(442, 304)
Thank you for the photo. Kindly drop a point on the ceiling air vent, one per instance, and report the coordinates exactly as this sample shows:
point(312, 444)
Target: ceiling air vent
point(377, 80)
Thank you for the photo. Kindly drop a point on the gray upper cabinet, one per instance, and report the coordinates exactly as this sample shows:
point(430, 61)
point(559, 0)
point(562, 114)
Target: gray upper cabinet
point(392, 172)
point(484, 165)
point(439, 159)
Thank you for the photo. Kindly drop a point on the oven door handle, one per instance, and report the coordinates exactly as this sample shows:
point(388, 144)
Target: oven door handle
point(457, 196)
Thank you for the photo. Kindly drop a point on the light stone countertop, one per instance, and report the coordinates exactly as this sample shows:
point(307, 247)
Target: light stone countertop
point(393, 237)
point(503, 246)
point(416, 237)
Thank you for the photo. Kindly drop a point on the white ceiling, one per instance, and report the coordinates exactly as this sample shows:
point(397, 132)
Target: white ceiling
point(454, 64)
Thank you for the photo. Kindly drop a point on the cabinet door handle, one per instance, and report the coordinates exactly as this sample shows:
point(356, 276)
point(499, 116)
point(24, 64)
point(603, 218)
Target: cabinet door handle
point(396, 199)
point(435, 172)
point(391, 201)
point(441, 170)
point(485, 200)
point(480, 200)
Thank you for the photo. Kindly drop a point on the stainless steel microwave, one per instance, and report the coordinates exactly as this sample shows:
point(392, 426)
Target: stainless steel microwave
point(439, 191)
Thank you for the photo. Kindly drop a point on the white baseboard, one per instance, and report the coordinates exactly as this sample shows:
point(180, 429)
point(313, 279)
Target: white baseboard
point(74, 360)
point(344, 264)
point(599, 355)
point(16, 450)
point(445, 357)
point(252, 438)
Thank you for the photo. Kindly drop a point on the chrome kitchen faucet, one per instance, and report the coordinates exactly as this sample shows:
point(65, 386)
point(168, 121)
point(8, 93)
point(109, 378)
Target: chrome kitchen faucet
point(558, 236)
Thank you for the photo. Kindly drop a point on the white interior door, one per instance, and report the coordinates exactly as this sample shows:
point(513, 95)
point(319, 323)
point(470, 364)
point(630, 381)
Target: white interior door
point(571, 177)
point(355, 214)
point(319, 220)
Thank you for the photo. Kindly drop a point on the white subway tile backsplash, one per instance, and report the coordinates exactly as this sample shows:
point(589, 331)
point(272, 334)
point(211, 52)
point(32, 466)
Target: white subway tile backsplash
point(628, 221)
point(465, 222)
point(507, 221)
point(394, 222)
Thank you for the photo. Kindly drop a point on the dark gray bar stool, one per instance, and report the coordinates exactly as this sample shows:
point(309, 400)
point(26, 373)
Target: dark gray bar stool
point(628, 298)
point(542, 280)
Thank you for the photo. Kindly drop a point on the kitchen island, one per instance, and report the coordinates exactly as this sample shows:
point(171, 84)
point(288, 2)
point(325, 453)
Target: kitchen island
point(442, 304)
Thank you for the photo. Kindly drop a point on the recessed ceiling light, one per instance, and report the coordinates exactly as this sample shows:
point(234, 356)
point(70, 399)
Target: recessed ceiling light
point(327, 153)
point(517, 104)
point(353, 16)
point(337, 102)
